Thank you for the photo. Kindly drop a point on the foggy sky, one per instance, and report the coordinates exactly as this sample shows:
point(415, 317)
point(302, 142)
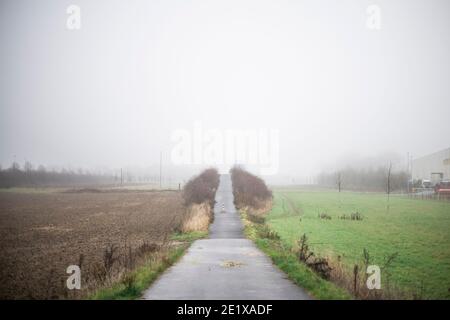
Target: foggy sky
point(113, 92)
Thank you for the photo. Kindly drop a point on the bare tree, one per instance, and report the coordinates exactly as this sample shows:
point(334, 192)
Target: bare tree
point(27, 167)
point(364, 179)
point(388, 184)
point(15, 166)
point(339, 181)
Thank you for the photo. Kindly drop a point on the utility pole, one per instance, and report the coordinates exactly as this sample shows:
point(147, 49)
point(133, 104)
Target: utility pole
point(339, 181)
point(121, 177)
point(410, 173)
point(407, 172)
point(388, 185)
point(160, 170)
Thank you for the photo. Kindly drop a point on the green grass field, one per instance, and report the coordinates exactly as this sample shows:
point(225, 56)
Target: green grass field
point(418, 230)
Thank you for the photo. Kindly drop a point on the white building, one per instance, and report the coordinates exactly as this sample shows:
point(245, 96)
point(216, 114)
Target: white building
point(434, 167)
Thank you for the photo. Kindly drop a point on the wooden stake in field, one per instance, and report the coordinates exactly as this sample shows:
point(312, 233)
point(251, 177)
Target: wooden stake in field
point(355, 280)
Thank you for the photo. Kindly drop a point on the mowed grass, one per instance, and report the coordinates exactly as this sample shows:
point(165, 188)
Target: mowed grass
point(418, 230)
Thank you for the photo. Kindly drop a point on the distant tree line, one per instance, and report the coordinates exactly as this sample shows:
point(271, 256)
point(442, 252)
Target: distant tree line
point(381, 179)
point(28, 176)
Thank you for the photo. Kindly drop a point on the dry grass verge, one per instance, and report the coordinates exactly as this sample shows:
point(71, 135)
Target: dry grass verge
point(199, 194)
point(288, 261)
point(354, 279)
point(133, 283)
point(198, 217)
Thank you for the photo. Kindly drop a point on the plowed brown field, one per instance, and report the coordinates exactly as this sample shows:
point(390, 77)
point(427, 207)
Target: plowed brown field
point(42, 233)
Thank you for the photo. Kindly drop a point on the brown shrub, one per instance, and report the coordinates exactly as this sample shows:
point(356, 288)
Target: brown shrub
point(250, 191)
point(353, 216)
point(255, 218)
point(324, 216)
point(201, 188)
point(267, 233)
point(319, 264)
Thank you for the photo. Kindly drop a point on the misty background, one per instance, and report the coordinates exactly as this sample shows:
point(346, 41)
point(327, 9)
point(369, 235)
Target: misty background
point(111, 94)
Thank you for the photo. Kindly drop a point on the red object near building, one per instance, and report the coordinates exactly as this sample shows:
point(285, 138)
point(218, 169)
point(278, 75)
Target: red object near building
point(443, 188)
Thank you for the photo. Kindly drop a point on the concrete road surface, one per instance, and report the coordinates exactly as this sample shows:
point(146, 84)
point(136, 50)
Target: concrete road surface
point(224, 266)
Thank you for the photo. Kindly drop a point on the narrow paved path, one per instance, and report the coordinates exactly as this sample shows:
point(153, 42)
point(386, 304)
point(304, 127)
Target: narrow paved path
point(225, 266)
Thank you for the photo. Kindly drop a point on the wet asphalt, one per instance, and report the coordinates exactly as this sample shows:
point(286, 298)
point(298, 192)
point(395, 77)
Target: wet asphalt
point(224, 266)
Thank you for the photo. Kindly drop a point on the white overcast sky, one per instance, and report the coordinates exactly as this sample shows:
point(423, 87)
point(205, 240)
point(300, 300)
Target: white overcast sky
point(113, 92)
